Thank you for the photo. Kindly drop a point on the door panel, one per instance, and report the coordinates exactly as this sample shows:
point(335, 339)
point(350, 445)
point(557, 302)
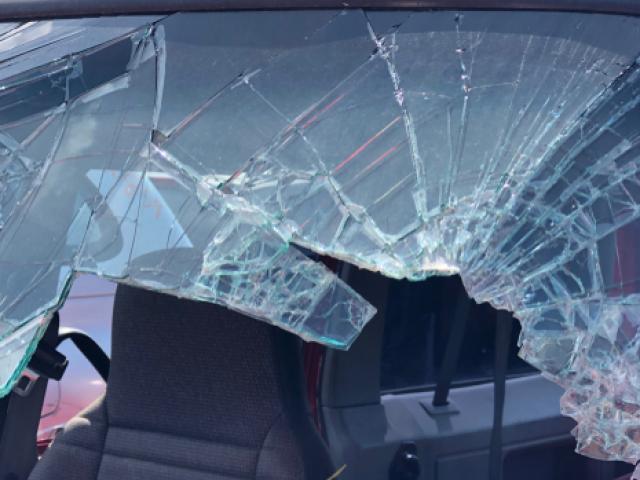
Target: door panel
point(365, 426)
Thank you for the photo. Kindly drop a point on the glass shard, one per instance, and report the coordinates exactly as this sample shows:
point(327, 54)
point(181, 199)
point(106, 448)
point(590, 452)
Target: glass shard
point(193, 154)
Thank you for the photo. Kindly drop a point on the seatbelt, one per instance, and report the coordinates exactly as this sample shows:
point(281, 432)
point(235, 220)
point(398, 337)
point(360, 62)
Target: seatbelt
point(20, 411)
point(89, 348)
point(452, 352)
point(504, 326)
point(21, 408)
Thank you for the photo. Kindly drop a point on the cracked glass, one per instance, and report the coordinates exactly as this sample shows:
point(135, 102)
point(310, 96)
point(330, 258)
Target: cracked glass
point(203, 154)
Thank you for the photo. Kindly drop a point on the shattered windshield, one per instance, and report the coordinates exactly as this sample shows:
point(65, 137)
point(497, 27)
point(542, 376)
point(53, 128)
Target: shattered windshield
point(203, 154)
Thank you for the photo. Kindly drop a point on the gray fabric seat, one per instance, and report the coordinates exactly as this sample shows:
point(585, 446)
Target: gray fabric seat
point(195, 392)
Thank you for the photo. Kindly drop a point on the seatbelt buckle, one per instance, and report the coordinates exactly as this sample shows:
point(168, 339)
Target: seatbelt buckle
point(46, 362)
point(26, 382)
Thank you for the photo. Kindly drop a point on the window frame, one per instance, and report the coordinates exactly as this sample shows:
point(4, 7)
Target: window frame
point(11, 10)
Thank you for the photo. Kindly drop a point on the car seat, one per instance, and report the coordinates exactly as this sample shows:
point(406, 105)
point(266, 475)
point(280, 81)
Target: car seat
point(195, 392)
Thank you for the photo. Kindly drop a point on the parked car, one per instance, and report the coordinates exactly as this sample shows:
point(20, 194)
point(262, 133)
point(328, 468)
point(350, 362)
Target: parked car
point(89, 309)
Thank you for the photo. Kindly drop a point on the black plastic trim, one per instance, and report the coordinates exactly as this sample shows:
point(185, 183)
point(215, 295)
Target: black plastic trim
point(40, 9)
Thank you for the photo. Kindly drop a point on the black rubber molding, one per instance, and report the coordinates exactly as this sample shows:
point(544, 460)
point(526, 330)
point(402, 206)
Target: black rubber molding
point(40, 9)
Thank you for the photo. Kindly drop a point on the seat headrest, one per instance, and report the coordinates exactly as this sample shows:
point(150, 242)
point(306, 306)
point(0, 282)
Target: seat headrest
point(199, 363)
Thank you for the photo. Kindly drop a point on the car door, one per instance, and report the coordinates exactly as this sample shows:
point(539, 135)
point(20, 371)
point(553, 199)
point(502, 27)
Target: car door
point(376, 399)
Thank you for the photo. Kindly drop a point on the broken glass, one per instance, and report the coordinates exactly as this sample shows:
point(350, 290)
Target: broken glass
point(201, 154)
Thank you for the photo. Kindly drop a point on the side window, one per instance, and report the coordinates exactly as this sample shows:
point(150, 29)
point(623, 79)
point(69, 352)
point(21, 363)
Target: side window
point(418, 321)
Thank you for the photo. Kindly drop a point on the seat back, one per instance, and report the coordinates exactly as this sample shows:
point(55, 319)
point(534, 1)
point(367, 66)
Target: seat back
point(195, 391)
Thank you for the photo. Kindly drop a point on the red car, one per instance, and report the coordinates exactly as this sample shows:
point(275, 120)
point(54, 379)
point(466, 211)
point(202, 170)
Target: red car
point(89, 309)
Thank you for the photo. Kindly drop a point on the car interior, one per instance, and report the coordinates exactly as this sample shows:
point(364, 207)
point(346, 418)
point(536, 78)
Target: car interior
point(232, 333)
point(248, 400)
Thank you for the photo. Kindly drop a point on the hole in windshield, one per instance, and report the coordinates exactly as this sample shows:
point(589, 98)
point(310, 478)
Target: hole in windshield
point(418, 321)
